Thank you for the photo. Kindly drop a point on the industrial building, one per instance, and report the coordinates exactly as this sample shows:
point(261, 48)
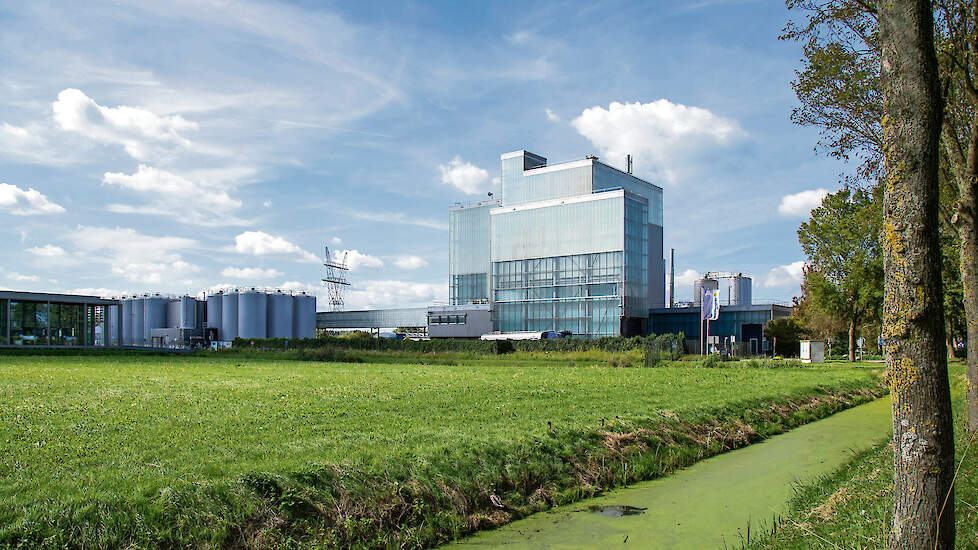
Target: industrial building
point(573, 246)
point(153, 320)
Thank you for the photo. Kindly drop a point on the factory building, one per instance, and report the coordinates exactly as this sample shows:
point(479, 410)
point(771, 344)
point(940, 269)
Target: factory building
point(153, 320)
point(575, 246)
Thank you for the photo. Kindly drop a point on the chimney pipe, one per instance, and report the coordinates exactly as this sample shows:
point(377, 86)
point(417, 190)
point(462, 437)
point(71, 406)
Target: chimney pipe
point(672, 276)
point(628, 163)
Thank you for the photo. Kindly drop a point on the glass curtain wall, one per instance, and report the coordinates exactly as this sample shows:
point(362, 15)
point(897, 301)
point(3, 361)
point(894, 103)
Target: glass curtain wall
point(3, 323)
point(67, 326)
point(580, 293)
point(468, 254)
point(29, 323)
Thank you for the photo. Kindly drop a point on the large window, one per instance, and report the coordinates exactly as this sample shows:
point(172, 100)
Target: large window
point(28, 323)
point(67, 325)
point(3, 323)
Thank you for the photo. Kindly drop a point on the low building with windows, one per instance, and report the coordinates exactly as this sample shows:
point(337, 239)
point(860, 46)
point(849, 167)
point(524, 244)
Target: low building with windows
point(57, 320)
point(738, 326)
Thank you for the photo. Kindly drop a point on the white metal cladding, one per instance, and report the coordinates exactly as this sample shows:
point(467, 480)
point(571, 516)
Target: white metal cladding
point(468, 247)
point(578, 225)
point(214, 311)
point(229, 316)
point(280, 315)
point(606, 177)
point(252, 314)
point(546, 183)
point(304, 320)
point(127, 322)
point(138, 336)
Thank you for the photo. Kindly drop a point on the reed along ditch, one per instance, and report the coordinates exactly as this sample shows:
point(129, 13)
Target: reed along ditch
point(708, 505)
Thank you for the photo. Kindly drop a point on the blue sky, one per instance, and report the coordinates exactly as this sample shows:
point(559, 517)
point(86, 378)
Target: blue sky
point(181, 146)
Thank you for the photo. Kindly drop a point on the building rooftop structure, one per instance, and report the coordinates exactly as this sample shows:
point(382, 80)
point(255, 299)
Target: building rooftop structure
point(55, 320)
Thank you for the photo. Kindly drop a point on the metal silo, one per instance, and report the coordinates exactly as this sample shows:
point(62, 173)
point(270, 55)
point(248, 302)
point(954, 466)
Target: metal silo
point(229, 316)
point(188, 312)
point(138, 337)
point(111, 325)
point(740, 291)
point(699, 285)
point(280, 315)
point(127, 322)
point(252, 314)
point(214, 312)
point(172, 314)
point(304, 316)
point(155, 316)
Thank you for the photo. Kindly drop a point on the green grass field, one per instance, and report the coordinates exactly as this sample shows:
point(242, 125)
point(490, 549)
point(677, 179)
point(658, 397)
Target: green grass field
point(98, 451)
point(851, 509)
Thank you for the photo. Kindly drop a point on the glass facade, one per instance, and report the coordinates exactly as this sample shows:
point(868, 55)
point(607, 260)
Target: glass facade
point(579, 293)
point(468, 253)
point(3, 323)
point(67, 325)
point(28, 323)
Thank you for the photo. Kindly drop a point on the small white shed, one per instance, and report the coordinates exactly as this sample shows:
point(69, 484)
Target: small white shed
point(812, 351)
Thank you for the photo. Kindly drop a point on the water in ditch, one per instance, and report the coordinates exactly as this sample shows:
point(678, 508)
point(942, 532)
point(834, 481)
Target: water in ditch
point(707, 505)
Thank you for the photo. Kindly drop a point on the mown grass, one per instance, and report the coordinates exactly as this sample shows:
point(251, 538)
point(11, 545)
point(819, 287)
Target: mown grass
point(226, 452)
point(851, 509)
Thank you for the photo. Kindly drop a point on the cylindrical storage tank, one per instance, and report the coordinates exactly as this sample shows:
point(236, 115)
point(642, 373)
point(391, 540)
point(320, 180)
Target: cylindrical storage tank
point(188, 312)
point(127, 322)
point(111, 325)
point(229, 316)
point(155, 316)
point(172, 314)
point(214, 312)
point(699, 285)
point(138, 336)
point(740, 291)
point(304, 316)
point(252, 314)
point(280, 315)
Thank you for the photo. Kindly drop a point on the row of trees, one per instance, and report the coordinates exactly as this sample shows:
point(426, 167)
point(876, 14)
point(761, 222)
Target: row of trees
point(891, 86)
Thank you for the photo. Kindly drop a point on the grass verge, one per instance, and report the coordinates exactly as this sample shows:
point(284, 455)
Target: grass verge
point(851, 509)
point(211, 453)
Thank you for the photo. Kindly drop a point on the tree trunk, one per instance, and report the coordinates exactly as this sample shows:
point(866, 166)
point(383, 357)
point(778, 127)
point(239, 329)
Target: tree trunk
point(964, 221)
point(913, 312)
point(852, 339)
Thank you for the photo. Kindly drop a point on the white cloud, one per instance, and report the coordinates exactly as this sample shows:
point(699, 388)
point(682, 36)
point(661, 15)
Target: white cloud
point(336, 240)
point(801, 204)
point(375, 294)
point(199, 201)
point(259, 243)
point(410, 262)
point(355, 260)
point(464, 175)
point(552, 116)
point(250, 273)
point(23, 278)
point(666, 138)
point(267, 204)
point(134, 256)
point(139, 131)
point(26, 203)
point(398, 218)
point(47, 251)
point(785, 275)
point(684, 283)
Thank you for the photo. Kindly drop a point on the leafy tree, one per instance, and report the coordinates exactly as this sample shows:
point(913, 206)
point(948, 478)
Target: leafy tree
point(845, 275)
point(839, 91)
point(786, 333)
point(913, 309)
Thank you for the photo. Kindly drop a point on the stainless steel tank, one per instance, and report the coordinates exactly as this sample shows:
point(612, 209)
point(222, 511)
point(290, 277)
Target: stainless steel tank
point(138, 336)
point(740, 291)
point(173, 313)
point(111, 325)
point(304, 316)
point(280, 315)
point(252, 314)
point(127, 322)
point(188, 312)
point(154, 316)
point(229, 316)
point(699, 285)
point(214, 312)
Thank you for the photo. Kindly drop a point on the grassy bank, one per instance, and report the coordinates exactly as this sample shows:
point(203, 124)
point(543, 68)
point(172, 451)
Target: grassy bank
point(218, 452)
point(852, 508)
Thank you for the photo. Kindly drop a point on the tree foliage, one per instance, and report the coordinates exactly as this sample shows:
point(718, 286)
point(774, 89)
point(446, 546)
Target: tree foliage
point(842, 243)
